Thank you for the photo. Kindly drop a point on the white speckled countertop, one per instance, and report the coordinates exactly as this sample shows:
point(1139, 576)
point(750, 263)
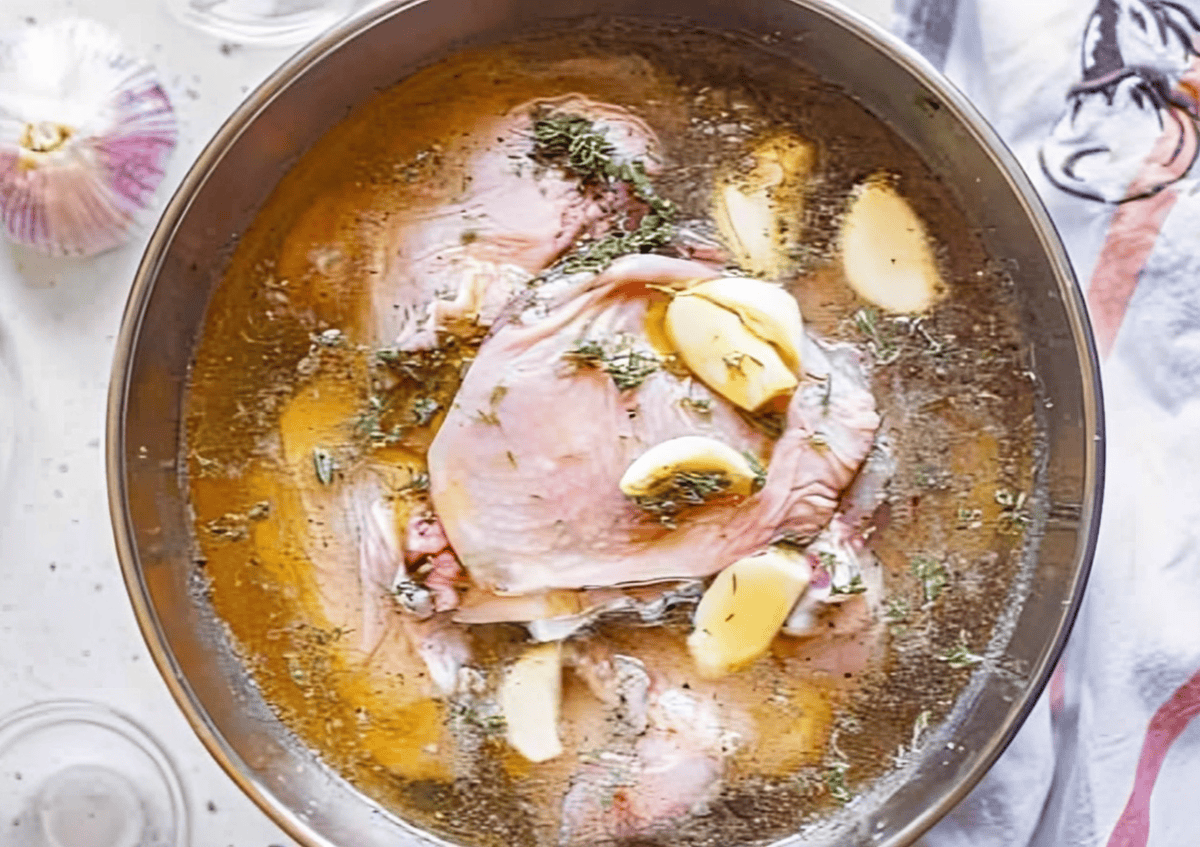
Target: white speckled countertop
point(67, 630)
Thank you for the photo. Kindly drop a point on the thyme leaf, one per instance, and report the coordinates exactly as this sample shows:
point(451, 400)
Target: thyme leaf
point(423, 410)
point(770, 424)
point(896, 610)
point(970, 518)
point(835, 782)
point(572, 142)
point(760, 472)
point(235, 526)
point(958, 656)
point(1013, 516)
point(881, 341)
point(419, 366)
point(836, 768)
point(932, 576)
point(854, 586)
point(418, 483)
point(652, 231)
point(486, 722)
point(627, 365)
point(369, 423)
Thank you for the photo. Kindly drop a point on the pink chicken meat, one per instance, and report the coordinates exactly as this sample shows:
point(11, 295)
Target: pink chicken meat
point(524, 471)
point(484, 227)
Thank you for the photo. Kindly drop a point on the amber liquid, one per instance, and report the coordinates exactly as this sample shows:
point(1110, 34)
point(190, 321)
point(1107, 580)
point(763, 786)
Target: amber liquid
point(265, 395)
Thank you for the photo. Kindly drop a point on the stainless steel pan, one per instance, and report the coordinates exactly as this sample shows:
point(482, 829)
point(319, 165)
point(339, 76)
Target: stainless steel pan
point(237, 171)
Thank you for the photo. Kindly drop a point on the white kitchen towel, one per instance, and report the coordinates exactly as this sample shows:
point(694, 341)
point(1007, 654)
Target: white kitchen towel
point(1100, 103)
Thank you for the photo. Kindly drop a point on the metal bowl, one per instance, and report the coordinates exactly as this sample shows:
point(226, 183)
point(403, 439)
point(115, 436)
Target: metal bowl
point(241, 166)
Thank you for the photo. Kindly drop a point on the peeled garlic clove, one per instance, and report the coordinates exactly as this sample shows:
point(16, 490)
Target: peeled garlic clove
point(886, 253)
point(718, 347)
point(747, 223)
point(530, 700)
point(759, 212)
point(765, 308)
point(656, 469)
point(85, 133)
point(744, 608)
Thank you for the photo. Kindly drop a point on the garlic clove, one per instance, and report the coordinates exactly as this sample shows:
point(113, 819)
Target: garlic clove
point(766, 309)
point(744, 609)
point(656, 470)
point(886, 253)
point(717, 346)
point(759, 212)
point(531, 699)
point(85, 134)
point(746, 221)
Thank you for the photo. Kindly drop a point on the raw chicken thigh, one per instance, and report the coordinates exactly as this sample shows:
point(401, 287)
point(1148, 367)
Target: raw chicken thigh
point(525, 469)
point(492, 220)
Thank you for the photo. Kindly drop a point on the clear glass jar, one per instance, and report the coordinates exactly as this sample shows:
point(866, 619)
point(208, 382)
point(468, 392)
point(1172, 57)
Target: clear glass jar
point(82, 775)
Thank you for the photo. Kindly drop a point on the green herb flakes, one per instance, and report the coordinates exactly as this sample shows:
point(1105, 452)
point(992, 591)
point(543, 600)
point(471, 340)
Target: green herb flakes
point(896, 610)
point(627, 365)
point(486, 722)
point(855, 586)
point(837, 766)
point(418, 484)
point(418, 366)
point(932, 576)
point(573, 143)
point(959, 656)
point(760, 472)
point(235, 526)
point(652, 232)
point(1013, 516)
point(687, 488)
point(423, 410)
point(700, 405)
point(880, 339)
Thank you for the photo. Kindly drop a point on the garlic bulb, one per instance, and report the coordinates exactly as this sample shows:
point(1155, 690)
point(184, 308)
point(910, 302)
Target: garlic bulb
point(85, 133)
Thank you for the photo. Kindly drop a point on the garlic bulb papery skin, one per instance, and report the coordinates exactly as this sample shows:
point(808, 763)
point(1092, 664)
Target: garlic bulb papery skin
point(85, 133)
